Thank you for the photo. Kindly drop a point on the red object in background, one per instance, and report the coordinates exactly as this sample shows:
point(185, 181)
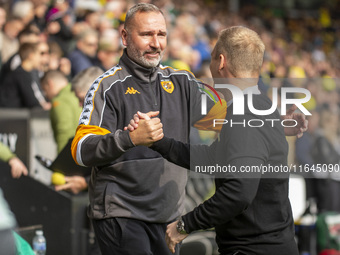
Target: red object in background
point(329, 252)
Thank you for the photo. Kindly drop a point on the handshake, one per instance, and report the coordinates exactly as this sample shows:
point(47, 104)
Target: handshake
point(145, 128)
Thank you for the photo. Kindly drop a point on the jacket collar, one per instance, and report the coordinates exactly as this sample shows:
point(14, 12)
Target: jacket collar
point(138, 71)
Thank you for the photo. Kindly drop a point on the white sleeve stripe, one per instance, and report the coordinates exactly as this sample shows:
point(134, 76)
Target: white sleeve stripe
point(79, 159)
point(89, 98)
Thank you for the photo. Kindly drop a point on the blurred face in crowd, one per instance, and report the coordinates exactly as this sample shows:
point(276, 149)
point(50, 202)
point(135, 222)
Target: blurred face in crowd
point(13, 27)
point(29, 38)
point(2, 17)
point(36, 59)
point(44, 56)
point(145, 38)
point(108, 58)
point(81, 96)
point(92, 19)
point(46, 86)
point(89, 45)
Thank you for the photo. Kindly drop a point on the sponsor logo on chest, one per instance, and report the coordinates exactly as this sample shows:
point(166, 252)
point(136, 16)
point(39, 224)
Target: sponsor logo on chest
point(131, 90)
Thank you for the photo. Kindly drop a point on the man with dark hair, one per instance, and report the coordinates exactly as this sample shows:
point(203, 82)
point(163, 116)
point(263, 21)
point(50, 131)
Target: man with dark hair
point(21, 88)
point(30, 34)
point(134, 194)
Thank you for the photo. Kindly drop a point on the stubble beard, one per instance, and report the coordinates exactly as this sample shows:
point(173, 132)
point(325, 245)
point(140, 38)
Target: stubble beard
point(140, 59)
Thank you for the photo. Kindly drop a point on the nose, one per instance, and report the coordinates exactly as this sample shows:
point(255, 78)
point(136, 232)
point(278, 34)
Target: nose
point(155, 42)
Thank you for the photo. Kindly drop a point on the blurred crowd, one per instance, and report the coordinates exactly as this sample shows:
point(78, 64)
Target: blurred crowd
point(69, 36)
point(74, 35)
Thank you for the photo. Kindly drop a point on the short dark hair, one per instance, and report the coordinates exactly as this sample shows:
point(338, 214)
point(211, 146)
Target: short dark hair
point(140, 7)
point(26, 49)
point(29, 30)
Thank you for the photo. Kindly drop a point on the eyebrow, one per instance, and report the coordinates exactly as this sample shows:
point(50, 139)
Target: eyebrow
point(154, 32)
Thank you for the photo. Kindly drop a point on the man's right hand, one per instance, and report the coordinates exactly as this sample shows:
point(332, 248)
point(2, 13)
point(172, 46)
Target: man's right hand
point(17, 167)
point(145, 130)
point(75, 184)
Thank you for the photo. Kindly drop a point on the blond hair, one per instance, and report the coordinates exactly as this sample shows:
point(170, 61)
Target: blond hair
point(243, 49)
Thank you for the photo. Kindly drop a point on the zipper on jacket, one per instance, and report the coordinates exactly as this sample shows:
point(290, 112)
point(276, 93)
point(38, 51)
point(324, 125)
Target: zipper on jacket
point(152, 91)
point(104, 200)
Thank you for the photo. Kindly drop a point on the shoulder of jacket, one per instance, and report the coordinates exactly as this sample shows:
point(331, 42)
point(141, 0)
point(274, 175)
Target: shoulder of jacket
point(170, 71)
point(116, 73)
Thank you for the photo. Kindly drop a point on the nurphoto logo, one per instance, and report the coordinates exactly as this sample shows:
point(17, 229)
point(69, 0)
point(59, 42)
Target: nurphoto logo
point(239, 102)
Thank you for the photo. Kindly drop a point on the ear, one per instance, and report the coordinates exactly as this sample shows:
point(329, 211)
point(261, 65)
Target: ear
point(223, 64)
point(50, 83)
point(124, 37)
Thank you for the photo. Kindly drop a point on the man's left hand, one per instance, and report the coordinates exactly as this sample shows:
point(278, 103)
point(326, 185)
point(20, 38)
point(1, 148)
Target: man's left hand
point(172, 237)
point(302, 123)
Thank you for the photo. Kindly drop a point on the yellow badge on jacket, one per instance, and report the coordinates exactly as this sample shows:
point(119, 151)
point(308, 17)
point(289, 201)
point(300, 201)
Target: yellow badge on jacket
point(168, 86)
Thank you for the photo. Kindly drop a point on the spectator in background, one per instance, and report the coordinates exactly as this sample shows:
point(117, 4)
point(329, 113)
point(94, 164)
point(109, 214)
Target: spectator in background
point(2, 22)
point(40, 10)
point(65, 110)
point(65, 113)
point(180, 55)
point(21, 88)
point(108, 54)
point(83, 80)
point(84, 55)
point(23, 10)
point(64, 116)
point(15, 61)
point(29, 34)
point(59, 21)
point(17, 167)
point(44, 58)
point(2, 17)
point(10, 44)
point(58, 61)
point(91, 19)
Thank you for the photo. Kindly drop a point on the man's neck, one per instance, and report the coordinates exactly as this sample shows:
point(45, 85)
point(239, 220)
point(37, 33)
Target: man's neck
point(27, 66)
point(241, 83)
point(58, 88)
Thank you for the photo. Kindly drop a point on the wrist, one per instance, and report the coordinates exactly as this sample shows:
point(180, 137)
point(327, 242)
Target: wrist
point(123, 139)
point(181, 227)
point(11, 160)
